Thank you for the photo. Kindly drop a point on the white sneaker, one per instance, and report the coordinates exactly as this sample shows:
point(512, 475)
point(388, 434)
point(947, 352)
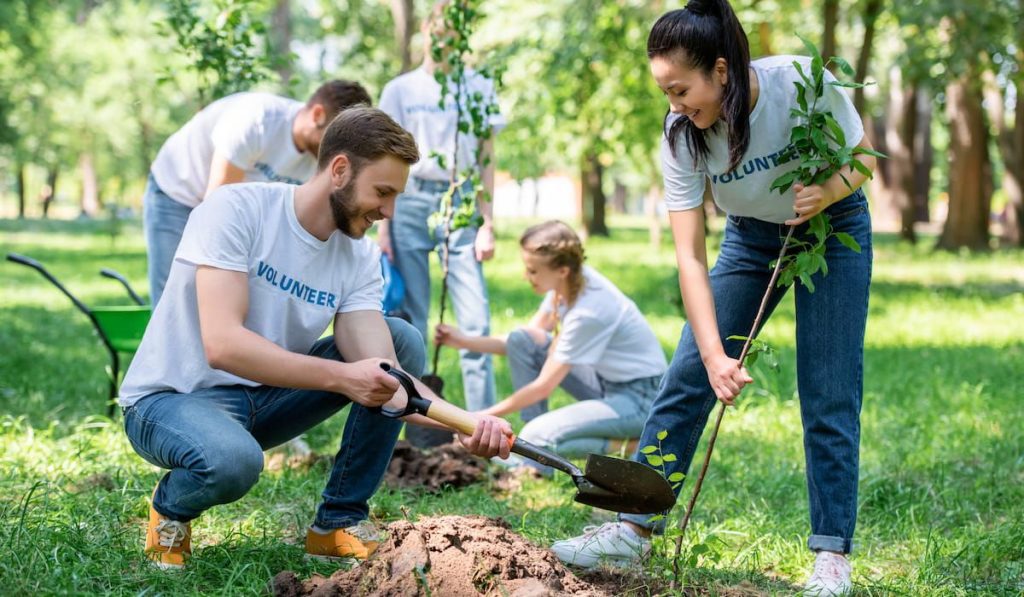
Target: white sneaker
point(831, 575)
point(612, 542)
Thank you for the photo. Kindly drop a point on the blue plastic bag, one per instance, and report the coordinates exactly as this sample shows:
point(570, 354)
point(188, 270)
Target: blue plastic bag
point(394, 286)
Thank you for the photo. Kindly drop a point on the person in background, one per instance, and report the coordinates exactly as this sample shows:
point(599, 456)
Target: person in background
point(412, 100)
point(245, 137)
point(587, 337)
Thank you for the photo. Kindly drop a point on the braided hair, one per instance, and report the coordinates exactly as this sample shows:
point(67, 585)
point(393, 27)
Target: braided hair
point(557, 243)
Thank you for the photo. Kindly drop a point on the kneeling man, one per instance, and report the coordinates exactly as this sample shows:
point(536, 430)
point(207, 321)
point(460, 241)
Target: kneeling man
point(232, 362)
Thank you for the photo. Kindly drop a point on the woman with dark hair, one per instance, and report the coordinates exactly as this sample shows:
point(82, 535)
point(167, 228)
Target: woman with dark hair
point(587, 337)
point(729, 122)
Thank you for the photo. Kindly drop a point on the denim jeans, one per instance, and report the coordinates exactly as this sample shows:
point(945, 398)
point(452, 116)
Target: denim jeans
point(830, 355)
point(412, 242)
point(605, 411)
point(163, 220)
point(212, 440)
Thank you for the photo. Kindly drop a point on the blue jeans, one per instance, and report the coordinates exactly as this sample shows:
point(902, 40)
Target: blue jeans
point(412, 242)
point(830, 356)
point(163, 221)
point(605, 411)
point(213, 440)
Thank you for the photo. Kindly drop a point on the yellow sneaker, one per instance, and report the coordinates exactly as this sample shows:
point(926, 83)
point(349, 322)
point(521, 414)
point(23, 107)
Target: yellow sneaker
point(357, 541)
point(168, 542)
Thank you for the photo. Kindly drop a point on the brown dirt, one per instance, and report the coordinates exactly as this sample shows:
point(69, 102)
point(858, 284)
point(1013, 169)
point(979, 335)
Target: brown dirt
point(453, 556)
point(449, 465)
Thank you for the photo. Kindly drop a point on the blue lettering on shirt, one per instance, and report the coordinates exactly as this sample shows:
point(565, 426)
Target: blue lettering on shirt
point(758, 164)
point(290, 285)
point(268, 172)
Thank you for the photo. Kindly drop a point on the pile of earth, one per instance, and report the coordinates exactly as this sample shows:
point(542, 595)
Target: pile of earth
point(453, 556)
point(449, 465)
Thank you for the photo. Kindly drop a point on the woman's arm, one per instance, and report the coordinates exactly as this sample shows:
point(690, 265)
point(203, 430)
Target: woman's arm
point(726, 378)
point(812, 199)
point(450, 335)
point(551, 374)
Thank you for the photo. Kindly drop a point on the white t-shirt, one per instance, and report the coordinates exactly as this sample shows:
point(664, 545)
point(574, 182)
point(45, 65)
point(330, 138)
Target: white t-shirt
point(605, 330)
point(297, 283)
point(745, 190)
point(252, 130)
point(412, 100)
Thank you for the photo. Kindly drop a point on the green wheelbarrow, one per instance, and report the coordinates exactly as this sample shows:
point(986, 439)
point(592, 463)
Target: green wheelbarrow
point(120, 328)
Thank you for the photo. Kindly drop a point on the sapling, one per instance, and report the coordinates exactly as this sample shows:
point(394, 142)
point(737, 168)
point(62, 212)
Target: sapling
point(449, 50)
point(819, 144)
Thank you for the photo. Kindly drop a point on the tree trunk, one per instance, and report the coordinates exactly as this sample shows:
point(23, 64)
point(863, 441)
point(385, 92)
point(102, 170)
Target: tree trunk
point(969, 168)
point(619, 198)
point(871, 11)
point(281, 40)
point(90, 186)
point(403, 16)
point(828, 39)
point(592, 195)
point(923, 157)
point(1011, 147)
point(899, 139)
point(50, 190)
point(764, 38)
point(20, 180)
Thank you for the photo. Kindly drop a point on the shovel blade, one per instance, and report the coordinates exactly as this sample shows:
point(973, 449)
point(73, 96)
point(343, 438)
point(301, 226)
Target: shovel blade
point(623, 486)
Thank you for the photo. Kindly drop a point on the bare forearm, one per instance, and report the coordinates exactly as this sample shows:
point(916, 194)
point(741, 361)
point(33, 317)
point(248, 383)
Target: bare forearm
point(531, 393)
point(699, 303)
point(484, 344)
point(248, 355)
point(837, 185)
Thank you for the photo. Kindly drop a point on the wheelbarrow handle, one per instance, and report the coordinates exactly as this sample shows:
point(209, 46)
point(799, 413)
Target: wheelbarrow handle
point(109, 273)
point(29, 262)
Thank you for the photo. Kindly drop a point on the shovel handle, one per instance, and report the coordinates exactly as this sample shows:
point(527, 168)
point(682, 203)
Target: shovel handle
point(443, 412)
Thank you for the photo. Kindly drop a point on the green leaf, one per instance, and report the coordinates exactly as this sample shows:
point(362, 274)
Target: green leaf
point(669, 457)
point(654, 460)
point(848, 84)
point(844, 66)
point(662, 435)
point(860, 167)
point(675, 477)
point(805, 279)
point(812, 50)
point(865, 151)
point(751, 358)
point(836, 130)
point(848, 241)
point(649, 449)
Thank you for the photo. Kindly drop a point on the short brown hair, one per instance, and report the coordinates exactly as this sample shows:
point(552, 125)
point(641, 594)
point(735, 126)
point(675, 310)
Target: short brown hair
point(366, 134)
point(338, 95)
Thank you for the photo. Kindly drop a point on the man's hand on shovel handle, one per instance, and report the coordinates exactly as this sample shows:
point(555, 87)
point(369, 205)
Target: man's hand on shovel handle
point(490, 438)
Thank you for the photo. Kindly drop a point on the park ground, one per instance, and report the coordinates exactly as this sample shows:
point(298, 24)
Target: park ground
point(942, 460)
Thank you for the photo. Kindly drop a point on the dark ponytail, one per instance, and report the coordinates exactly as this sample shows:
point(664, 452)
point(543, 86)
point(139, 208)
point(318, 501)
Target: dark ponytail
point(697, 36)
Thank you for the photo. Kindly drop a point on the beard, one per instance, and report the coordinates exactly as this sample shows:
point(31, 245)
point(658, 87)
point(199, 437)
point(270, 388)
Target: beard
point(345, 212)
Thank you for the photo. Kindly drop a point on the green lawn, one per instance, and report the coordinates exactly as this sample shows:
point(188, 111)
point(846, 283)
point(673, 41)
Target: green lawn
point(942, 485)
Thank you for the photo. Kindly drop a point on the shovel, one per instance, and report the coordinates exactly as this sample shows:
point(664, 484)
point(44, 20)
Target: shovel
point(607, 483)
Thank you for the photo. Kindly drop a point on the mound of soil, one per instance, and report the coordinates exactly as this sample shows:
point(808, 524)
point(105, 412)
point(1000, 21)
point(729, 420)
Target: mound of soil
point(449, 465)
point(453, 556)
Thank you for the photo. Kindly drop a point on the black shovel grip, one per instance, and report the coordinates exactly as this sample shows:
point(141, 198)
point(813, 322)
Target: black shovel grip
point(417, 404)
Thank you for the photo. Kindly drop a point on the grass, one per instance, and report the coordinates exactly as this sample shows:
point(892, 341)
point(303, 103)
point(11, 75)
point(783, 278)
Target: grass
point(942, 485)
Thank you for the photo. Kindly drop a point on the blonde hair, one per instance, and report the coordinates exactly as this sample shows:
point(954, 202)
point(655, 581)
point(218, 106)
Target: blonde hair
point(557, 243)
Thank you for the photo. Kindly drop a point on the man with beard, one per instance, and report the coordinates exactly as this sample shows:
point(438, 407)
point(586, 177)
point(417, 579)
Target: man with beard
point(232, 362)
